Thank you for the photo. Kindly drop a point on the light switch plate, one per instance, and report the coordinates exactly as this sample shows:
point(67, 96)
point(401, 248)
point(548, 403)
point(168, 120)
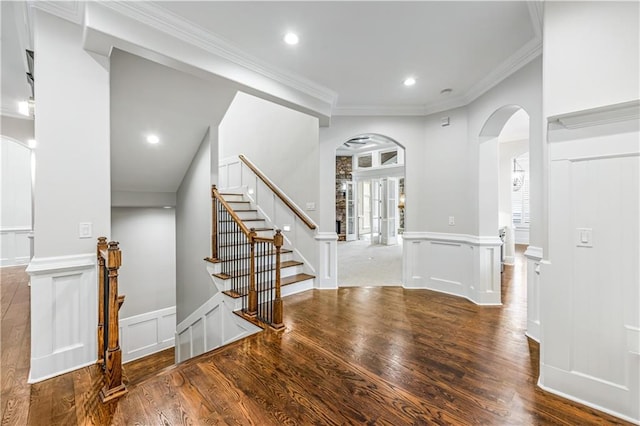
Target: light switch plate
point(452, 220)
point(84, 230)
point(311, 205)
point(584, 237)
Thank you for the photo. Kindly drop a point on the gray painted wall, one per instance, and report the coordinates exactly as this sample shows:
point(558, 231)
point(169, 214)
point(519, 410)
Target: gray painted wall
point(193, 229)
point(147, 239)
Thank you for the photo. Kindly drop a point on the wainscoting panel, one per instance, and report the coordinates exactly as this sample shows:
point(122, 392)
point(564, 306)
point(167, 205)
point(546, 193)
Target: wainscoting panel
point(63, 314)
point(210, 326)
point(15, 246)
point(461, 265)
point(534, 267)
point(590, 286)
point(147, 333)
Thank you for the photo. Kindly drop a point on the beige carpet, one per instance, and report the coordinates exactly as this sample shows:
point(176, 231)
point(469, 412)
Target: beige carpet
point(361, 264)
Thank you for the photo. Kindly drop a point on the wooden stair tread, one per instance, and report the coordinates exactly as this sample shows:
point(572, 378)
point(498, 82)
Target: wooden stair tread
point(292, 279)
point(283, 282)
point(244, 272)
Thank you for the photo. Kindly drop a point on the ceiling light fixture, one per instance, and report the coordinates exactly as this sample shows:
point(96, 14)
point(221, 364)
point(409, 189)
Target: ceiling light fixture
point(153, 139)
point(291, 38)
point(409, 81)
point(446, 91)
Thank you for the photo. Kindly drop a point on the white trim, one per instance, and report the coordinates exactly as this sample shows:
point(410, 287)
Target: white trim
point(626, 111)
point(326, 236)
point(163, 322)
point(69, 10)
point(482, 240)
point(588, 404)
point(48, 265)
point(64, 314)
point(534, 253)
point(165, 21)
point(32, 380)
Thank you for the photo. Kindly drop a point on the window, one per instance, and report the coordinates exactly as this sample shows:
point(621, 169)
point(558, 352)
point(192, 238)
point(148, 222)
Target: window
point(365, 161)
point(388, 158)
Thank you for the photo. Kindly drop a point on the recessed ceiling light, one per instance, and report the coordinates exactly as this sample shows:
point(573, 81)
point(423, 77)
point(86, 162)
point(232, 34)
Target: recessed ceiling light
point(153, 139)
point(291, 38)
point(166, 207)
point(409, 81)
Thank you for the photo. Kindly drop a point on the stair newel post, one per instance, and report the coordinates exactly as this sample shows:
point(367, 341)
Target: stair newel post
point(278, 241)
point(101, 247)
point(214, 222)
point(253, 294)
point(113, 386)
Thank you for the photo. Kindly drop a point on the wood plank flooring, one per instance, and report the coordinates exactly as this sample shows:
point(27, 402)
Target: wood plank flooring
point(375, 356)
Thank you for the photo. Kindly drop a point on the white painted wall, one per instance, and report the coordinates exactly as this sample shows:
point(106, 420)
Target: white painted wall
point(147, 276)
point(281, 142)
point(15, 193)
point(589, 311)
point(72, 187)
point(142, 199)
point(193, 234)
point(591, 54)
point(72, 130)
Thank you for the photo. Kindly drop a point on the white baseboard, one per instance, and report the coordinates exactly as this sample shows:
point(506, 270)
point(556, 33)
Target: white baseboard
point(147, 333)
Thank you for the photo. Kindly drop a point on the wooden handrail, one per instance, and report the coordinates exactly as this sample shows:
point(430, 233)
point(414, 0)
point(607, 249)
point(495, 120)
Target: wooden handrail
point(215, 194)
point(303, 217)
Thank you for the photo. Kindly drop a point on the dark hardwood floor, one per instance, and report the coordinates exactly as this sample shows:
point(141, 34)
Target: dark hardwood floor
point(383, 356)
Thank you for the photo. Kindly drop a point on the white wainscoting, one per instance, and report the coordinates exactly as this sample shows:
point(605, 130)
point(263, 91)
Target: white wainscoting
point(462, 265)
point(15, 246)
point(589, 310)
point(210, 326)
point(63, 314)
point(534, 268)
point(327, 277)
point(148, 333)
point(235, 175)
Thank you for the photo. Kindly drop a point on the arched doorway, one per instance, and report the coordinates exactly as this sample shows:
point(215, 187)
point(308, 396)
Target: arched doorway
point(504, 188)
point(370, 197)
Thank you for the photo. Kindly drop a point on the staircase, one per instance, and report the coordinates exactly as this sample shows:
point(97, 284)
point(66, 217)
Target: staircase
point(231, 269)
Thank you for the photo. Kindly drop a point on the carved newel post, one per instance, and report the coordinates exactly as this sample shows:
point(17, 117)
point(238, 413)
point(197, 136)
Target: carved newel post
point(113, 386)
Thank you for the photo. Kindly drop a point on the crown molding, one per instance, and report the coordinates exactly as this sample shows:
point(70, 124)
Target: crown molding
point(170, 23)
point(71, 10)
point(522, 57)
point(626, 111)
point(536, 13)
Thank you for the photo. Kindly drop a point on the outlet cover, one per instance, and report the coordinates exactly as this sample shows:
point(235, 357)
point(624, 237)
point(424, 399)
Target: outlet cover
point(452, 220)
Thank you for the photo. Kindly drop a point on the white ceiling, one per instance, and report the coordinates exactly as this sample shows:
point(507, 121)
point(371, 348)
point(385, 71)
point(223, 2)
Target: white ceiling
point(361, 51)
point(177, 107)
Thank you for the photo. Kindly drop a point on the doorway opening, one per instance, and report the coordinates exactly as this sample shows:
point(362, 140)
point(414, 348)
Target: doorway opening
point(370, 203)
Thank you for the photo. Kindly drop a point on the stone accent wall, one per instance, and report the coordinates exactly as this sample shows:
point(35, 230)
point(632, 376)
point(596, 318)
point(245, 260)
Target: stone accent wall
point(344, 167)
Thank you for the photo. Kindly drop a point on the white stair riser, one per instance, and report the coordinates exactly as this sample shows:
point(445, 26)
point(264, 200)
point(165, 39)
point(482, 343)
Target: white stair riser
point(233, 197)
point(298, 287)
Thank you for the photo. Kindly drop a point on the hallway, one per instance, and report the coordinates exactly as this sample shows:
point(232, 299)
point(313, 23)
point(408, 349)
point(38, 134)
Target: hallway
point(361, 264)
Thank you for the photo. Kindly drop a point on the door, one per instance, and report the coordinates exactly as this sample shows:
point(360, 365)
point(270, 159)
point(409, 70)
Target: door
point(376, 207)
point(351, 231)
point(389, 203)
